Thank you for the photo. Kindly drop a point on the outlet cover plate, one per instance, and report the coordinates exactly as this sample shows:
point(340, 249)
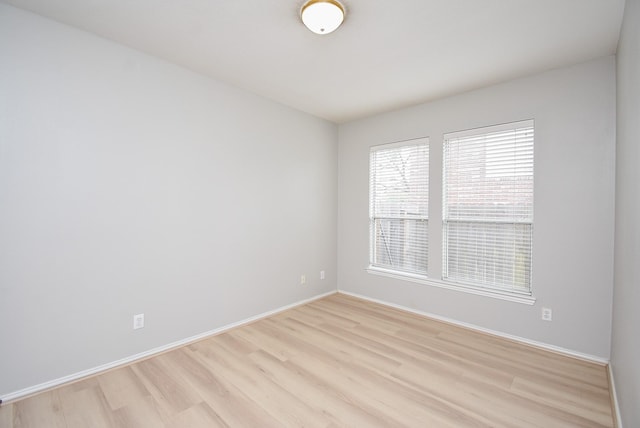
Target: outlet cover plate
point(138, 321)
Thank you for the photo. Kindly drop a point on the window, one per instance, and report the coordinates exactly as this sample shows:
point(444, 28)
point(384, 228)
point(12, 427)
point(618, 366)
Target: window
point(398, 210)
point(488, 207)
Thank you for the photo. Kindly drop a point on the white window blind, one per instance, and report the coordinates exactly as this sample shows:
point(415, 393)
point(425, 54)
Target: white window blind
point(488, 207)
point(398, 211)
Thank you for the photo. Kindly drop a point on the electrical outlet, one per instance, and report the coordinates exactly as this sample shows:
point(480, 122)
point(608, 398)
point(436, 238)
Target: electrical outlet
point(547, 314)
point(303, 279)
point(321, 274)
point(138, 321)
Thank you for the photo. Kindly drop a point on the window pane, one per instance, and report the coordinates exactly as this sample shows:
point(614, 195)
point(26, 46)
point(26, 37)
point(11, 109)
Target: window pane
point(401, 182)
point(491, 254)
point(400, 244)
point(490, 176)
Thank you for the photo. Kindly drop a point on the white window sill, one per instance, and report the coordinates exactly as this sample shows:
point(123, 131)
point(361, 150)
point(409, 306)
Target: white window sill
point(420, 279)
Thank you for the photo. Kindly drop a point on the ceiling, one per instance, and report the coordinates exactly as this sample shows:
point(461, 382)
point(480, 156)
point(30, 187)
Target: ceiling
point(386, 55)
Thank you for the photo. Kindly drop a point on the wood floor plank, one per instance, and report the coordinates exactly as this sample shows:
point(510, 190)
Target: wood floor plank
point(338, 361)
point(528, 358)
point(42, 410)
point(594, 406)
point(277, 401)
point(139, 412)
point(200, 415)
point(171, 392)
point(340, 347)
point(491, 402)
point(75, 403)
point(122, 387)
point(233, 406)
point(6, 416)
point(313, 390)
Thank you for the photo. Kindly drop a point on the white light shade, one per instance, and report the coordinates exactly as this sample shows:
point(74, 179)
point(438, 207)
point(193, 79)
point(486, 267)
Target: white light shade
point(322, 16)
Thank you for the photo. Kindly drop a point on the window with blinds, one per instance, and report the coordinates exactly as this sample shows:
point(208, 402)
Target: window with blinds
point(488, 207)
point(398, 210)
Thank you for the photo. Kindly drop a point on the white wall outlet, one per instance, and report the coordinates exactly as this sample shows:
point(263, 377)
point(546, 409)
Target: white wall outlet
point(547, 314)
point(303, 279)
point(321, 274)
point(138, 321)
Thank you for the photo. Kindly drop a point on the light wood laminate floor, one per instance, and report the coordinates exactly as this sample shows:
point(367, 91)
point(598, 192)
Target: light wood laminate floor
point(335, 362)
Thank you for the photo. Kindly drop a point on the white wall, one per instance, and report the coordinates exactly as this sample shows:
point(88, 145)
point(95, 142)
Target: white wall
point(625, 350)
point(127, 185)
point(574, 113)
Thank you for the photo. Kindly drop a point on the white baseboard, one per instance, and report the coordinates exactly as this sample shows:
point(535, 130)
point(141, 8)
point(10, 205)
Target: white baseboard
point(13, 396)
point(614, 398)
point(542, 345)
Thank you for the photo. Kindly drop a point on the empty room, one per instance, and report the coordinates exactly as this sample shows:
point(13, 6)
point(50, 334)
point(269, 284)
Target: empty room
point(319, 213)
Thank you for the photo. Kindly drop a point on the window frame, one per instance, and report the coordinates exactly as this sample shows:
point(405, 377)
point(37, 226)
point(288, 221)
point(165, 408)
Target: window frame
point(373, 217)
point(485, 287)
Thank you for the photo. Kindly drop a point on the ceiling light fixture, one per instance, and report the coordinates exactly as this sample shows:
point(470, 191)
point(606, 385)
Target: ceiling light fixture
point(322, 16)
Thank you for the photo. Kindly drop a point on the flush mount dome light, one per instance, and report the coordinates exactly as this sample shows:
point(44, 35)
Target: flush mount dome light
point(322, 16)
